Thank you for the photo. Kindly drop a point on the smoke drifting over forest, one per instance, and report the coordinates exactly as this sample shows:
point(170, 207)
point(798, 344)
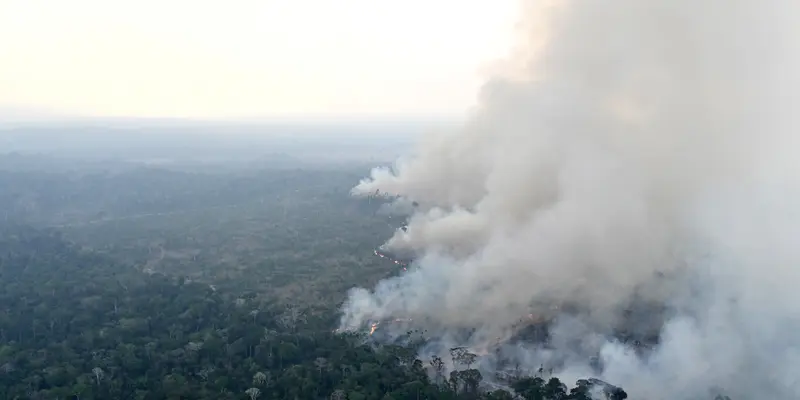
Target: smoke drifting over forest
point(631, 150)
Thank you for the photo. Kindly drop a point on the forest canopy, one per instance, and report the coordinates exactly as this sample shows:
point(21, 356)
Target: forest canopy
point(152, 283)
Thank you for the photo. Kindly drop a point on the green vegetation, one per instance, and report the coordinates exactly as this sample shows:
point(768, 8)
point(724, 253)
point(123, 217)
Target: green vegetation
point(142, 283)
point(288, 233)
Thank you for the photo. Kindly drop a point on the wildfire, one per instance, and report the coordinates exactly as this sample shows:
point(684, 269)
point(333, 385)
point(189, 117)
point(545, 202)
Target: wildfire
point(397, 262)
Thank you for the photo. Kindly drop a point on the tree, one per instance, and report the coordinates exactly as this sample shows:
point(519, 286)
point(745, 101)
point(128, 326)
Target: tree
point(462, 356)
point(321, 363)
point(290, 318)
point(98, 374)
point(499, 395)
point(456, 354)
point(472, 379)
point(268, 337)
point(259, 378)
point(253, 393)
point(581, 391)
point(554, 389)
point(438, 366)
point(530, 388)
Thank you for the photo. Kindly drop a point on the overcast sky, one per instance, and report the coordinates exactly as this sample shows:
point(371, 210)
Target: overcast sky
point(248, 58)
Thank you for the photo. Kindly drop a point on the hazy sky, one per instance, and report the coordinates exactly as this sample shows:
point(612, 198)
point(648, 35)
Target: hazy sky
point(204, 58)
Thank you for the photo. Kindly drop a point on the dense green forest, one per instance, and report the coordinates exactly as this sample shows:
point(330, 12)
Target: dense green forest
point(295, 231)
point(154, 283)
point(75, 325)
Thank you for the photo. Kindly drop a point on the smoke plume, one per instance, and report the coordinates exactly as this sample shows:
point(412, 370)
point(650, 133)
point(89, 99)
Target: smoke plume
point(631, 151)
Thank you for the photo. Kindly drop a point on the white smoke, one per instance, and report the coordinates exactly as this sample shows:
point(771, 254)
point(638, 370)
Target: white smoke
point(632, 148)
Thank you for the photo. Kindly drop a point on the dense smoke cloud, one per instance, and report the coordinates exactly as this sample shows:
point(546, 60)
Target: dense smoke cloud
point(631, 149)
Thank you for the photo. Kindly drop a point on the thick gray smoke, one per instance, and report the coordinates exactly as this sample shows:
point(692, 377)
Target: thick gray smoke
point(632, 148)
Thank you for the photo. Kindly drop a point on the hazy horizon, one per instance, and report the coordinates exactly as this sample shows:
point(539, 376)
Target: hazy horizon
point(20, 116)
point(224, 143)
